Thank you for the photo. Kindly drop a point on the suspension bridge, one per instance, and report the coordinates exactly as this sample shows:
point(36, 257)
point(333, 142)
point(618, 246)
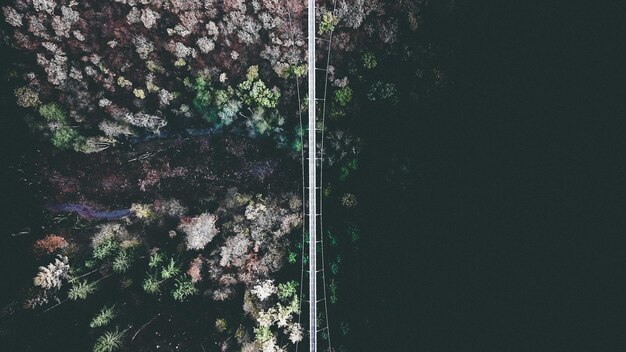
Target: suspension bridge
point(312, 178)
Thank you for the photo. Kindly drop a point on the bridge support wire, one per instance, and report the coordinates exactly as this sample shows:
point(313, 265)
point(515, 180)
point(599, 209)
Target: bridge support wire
point(312, 179)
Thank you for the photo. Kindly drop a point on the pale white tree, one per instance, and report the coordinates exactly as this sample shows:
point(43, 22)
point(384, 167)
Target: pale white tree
point(12, 17)
point(44, 6)
point(149, 17)
point(264, 289)
point(200, 230)
point(52, 275)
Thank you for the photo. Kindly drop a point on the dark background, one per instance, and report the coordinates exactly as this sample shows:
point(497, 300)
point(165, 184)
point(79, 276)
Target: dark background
point(508, 231)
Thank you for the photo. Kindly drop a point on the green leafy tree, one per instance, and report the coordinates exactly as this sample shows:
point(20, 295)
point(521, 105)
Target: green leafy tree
point(122, 261)
point(343, 96)
point(295, 71)
point(287, 290)
point(151, 284)
point(203, 101)
point(369, 60)
point(81, 290)
point(104, 317)
point(106, 248)
point(170, 270)
point(183, 289)
point(156, 259)
point(64, 137)
point(109, 342)
point(292, 257)
point(328, 23)
point(253, 91)
point(262, 334)
point(53, 112)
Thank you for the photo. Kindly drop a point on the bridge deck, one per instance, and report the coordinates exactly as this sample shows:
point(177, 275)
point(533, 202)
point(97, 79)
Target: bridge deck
point(312, 182)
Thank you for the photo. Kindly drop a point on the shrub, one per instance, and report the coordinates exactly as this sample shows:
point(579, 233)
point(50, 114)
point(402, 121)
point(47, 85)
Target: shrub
point(333, 291)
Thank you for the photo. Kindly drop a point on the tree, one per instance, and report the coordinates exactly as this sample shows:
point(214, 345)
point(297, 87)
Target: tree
point(49, 244)
point(343, 96)
point(52, 275)
point(53, 112)
point(183, 289)
point(200, 230)
point(264, 289)
point(151, 284)
point(81, 290)
point(170, 270)
point(64, 137)
point(109, 342)
point(253, 91)
point(26, 97)
point(328, 23)
point(369, 60)
point(287, 290)
point(104, 317)
point(122, 261)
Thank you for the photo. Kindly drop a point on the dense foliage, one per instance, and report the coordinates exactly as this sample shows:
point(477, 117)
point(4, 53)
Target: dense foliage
point(189, 111)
